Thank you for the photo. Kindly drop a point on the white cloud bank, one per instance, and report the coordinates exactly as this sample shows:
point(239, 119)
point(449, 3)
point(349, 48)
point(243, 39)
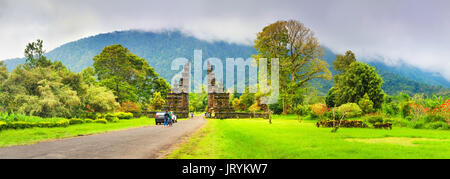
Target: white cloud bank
point(414, 31)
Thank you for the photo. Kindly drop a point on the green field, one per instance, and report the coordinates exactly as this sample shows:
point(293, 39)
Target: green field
point(10, 137)
point(291, 139)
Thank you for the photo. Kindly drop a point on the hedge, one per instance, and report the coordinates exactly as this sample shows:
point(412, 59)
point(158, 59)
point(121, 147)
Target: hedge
point(386, 125)
point(102, 121)
point(124, 115)
point(343, 123)
point(24, 125)
point(76, 121)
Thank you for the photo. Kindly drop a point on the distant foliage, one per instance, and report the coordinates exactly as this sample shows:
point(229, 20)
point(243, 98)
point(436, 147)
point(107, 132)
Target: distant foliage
point(157, 101)
point(366, 104)
point(100, 99)
point(129, 106)
point(349, 110)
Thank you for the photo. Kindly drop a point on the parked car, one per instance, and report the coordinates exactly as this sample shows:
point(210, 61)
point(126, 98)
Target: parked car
point(159, 118)
point(174, 118)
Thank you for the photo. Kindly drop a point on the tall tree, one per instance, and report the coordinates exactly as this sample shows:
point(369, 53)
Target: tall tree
point(157, 102)
point(129, 76)
point(34, 54)
point(359, 79)
point(299, 53)
point(343, 61)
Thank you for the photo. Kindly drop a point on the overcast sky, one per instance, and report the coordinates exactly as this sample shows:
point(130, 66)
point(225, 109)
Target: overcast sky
point(415, 31)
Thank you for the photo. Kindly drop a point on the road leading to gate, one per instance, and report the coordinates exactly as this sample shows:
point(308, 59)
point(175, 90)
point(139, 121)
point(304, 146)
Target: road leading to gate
point(145, 142)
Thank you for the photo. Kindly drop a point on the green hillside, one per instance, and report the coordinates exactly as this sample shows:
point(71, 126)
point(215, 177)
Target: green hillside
point(159, 49)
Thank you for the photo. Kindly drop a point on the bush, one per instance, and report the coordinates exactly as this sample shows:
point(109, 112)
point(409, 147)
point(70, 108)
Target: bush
point(342, 123)
point(24, 124)
point(366, 104)
point(416, 125)
point(109, 116)
point(379, 125)
point(76, 121)
point(409, 118)
point(350, 110)
point(374, 119)
point(434, 118)
point(102, 121)
point(318, 110)
point(3, 125)
point(130, 106)
point(20, 125)
point(89, 115)
point(401, 122)
point(88, 120)
point(437, 125)
point(46, 124)
point(406, 110)
point(277, 108)
point(301, 110)
point(124, 115)
point(391, 109)
point(115, 119)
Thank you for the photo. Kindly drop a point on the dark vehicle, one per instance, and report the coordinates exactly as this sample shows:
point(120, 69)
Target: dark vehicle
point(159, 118)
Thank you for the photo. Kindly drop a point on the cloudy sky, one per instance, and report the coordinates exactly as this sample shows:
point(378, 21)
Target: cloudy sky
point(416, 32)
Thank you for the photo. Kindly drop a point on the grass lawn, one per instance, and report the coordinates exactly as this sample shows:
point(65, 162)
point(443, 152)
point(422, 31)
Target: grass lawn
point(286, 138)
point(12, 137)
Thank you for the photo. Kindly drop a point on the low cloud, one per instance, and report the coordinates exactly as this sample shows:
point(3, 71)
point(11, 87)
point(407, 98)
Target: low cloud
point(412, 31)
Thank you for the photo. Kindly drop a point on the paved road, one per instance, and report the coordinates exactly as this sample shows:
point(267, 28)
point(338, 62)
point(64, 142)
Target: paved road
point(145, 142)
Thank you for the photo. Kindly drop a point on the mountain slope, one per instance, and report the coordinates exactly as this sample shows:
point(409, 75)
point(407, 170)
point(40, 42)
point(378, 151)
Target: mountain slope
point(159, 49)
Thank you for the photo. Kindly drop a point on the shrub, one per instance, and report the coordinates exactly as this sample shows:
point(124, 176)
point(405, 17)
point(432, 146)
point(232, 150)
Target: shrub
point(88, 120)
point(46, 124)
point(342, 123)
point(437, 125)
point(130, 106)
point(434, 118)
point(124, 115)
point(318, 110)
point(301, 110)
point(20, 125)
point(443, 110)
point(374, 119)
point(379, 125)
point(63, 123)
point(109, 116)
point(277, 108)
point(406, 110)
point(102, 121)
point(3, 125)
point(409, 118)
point(391, 109)
point(366, 104)
point(350, 110)
point(115, 119)
point(416, 125)
point(75, 121)
point(401, 122)
point(89, 115)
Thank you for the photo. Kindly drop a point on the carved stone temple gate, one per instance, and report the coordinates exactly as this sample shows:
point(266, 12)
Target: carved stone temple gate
point(218, 99)
point(178, 100)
